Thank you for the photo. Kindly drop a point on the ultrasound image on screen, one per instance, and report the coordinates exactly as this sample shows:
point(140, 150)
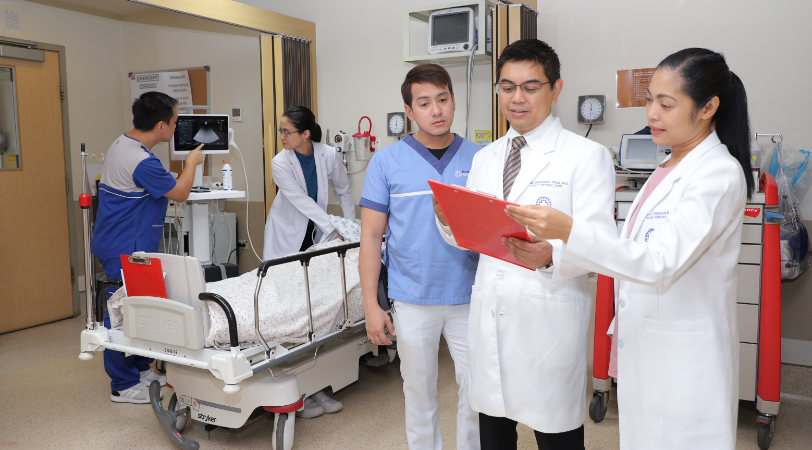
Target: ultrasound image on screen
point(450, 29)
point(641, 149)
point(192, 131)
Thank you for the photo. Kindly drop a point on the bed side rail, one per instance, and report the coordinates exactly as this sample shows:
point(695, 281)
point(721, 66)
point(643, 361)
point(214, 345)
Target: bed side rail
point(304, 258)
point(231, 318)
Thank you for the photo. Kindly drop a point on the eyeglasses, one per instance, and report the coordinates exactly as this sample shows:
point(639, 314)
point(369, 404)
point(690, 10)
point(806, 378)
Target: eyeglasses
point(286, 133)
point(528, 87)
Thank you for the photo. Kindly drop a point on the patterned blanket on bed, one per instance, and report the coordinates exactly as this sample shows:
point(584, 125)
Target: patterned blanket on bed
point(282, 300)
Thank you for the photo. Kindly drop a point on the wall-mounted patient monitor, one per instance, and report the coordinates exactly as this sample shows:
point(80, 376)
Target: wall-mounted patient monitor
point(452, 30)
point(195, 129)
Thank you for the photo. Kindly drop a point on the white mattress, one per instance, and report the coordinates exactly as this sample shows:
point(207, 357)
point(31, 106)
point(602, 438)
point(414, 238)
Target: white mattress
point(282, 301)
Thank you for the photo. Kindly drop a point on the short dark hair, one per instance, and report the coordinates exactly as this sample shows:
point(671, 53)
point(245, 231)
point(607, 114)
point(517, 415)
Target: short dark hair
point(425, 73)
point(303, 119)
point(151, 108)
point(535, 51)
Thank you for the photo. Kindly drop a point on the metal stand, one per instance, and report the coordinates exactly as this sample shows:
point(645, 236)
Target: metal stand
point(85, 204)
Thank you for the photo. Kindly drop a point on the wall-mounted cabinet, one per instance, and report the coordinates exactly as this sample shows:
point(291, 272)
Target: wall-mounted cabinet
point(416, 36)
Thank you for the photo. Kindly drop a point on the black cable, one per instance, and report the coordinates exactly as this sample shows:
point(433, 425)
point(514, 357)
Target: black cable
point(228, 260)
point(587, 131)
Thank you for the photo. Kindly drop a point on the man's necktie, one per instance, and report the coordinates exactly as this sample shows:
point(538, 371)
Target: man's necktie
point(513, 165)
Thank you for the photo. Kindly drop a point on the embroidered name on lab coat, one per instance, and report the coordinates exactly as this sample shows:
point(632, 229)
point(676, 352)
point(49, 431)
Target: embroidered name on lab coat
point(549, 184)
point(657, 216)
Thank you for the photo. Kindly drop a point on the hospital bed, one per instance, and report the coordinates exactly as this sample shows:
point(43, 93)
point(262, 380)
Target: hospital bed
point(223, 383)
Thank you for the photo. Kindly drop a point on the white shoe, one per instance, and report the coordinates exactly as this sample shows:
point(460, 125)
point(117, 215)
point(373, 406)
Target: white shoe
point(330, 405)
point(135, 394)
point(311, 409)
point(149, 375)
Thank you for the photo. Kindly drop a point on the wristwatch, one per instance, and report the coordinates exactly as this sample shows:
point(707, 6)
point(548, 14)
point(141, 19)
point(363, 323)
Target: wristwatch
point(545, 267)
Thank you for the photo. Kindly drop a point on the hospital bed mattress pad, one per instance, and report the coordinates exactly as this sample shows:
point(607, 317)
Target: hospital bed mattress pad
point(282, 301)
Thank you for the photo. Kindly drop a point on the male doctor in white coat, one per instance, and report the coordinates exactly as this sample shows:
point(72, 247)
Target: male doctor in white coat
point(528, 329)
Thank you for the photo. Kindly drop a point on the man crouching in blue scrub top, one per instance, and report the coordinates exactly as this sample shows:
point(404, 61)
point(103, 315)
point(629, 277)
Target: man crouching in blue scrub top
point(132, 206)
point(429, 282)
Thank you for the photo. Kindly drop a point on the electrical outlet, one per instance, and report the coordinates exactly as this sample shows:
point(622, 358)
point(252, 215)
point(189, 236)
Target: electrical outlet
point(242, 243)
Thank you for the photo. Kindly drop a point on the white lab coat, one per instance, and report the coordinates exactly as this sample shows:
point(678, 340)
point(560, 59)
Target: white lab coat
point(292, 208)
point(527, 335)
point(678, 347)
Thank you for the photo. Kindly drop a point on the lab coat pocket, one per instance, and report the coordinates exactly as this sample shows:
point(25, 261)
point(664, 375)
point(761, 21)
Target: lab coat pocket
point(674, 368)
point(557, 195)
point(550, 330)
point(404, 269)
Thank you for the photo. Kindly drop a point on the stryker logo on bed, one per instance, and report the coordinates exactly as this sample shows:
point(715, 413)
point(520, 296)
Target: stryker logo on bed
point(158, 323)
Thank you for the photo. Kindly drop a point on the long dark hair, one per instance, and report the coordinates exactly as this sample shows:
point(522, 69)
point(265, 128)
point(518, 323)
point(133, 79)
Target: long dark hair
point(303, 119)
point(705, 75)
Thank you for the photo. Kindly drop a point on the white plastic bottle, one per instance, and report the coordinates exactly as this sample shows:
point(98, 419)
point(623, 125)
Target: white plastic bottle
point(228, 183)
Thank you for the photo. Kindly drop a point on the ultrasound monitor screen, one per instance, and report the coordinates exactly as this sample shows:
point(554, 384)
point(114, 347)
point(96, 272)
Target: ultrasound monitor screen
point(641, 149)
point(195, 129)
point(450, 29)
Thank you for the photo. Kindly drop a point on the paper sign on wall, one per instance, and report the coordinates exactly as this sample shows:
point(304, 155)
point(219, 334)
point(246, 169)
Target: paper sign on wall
point(173, 84)
point(483, 137)
point(632, 87)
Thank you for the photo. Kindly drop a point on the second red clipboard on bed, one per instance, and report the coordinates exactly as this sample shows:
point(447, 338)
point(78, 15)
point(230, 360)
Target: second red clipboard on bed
point(478, 221)
point(143, 276)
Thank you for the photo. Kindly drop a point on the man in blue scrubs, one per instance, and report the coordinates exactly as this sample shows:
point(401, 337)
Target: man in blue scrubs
point(132, 206)
point(429, 282)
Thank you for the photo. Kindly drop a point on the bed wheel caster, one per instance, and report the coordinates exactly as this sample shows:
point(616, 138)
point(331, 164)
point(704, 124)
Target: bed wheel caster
point(766, 428)
point(283, 431)
point(598, 406)
point(86, 356)
point(231, 388)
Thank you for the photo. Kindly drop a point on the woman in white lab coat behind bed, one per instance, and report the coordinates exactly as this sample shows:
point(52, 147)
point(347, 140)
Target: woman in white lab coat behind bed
point(298, 217)
point(302, 172)
point(676, 335)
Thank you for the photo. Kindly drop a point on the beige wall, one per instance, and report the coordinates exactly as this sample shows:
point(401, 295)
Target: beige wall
point(360, 53)
point(93, 49)
point(101, 51)
point(765, 43)
point(232, 55)
point(159, 41)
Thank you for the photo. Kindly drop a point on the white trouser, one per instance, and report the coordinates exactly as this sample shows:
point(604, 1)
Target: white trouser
point(418, 331)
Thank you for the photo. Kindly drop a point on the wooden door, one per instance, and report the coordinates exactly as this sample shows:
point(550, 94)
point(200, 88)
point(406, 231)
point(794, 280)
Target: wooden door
point(35, 268)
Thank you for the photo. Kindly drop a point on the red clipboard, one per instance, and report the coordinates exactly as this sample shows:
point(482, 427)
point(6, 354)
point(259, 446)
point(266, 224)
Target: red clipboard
point(478, 220)
point(143, 276)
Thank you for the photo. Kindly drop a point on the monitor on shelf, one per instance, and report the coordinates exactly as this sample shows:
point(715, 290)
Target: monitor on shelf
point(452, 30)
point(639, 152)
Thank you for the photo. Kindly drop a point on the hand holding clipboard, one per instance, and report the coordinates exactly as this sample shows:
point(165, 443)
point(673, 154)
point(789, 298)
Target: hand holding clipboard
point(479, 222)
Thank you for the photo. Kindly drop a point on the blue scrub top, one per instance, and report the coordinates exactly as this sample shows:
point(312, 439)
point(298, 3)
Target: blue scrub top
point(422, 268)
point(132, 206)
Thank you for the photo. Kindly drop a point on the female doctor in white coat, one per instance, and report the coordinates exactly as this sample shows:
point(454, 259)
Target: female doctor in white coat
point(299, 211)
point(677, 336)
point(302, 172)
